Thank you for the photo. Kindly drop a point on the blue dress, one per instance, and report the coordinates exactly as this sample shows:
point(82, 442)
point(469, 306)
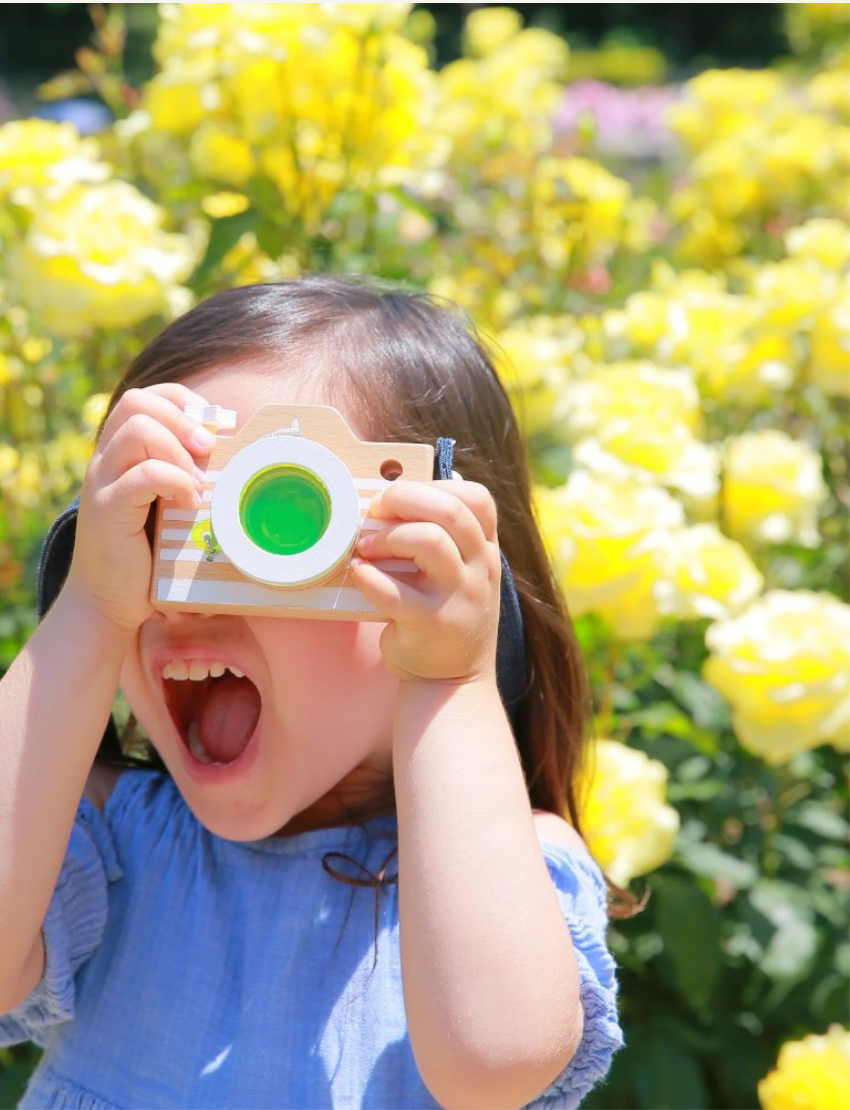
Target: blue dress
point(184, 970)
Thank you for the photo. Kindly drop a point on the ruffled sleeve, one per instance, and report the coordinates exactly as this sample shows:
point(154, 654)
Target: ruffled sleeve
point(73, 928)
point(582, 895)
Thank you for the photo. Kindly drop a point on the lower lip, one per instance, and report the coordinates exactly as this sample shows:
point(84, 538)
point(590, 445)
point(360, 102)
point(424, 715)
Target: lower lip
point(221, 774)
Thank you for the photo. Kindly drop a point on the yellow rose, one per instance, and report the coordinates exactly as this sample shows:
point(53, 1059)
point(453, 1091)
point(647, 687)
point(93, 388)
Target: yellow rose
point(772, 487)
point(828, 92)
point(605, 540)
point(625, 818)
point(784, 666)
point(791, 291)
point(36, 154)
point(723, 102)
point(177, 101)
point(501, 102)
point(490, 27)
point(826, 241)
point(218, 155)
point(94, 410)
point(637, 417)
point(579, 199)
point(814, 1072)
point(829, 365)
point(707, 575)
point(369, 18)
point(10, 460)
point(535, 358)
point(98, 257)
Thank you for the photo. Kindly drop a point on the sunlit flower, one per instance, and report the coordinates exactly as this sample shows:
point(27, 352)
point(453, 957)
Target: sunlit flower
point(784, 666)
point(36, 154)
point(761, 147)
point(772, 488)
point(503, 102)
point(829, 359)
point(178, 100)
point(629, 827)
point(826, 241)
point(707, 575)
point(812, 1073)
point(644, 415)
point(828, 91)
point(94, 410)
point(535, 358)
point(487, 28)
point(217, 154)
point(579, 208)
point(98, 257)
point(605, 538)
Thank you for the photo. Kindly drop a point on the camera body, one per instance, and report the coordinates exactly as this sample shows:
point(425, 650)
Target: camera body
point(285, 502)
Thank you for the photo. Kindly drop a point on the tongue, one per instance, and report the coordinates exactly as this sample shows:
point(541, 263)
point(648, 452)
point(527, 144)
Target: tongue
point(228, 718)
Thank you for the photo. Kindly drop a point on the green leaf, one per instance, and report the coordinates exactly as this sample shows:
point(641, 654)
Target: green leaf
point(662, 718)
point(224, 235)
point(690, 926)
point(707, 708)
point(668, 1077)
point(272, 238)
point(709, 861)
point(794, 943)
point(818, 818)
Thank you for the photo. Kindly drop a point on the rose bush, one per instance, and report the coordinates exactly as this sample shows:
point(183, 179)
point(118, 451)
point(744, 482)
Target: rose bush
point(677, 345)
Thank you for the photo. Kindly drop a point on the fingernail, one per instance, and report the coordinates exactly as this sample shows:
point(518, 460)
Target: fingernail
point(365, 542)
point(203, 438)
point(355, 562)
point(200, 476)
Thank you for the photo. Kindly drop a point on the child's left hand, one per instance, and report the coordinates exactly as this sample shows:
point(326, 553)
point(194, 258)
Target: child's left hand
point(443, 624)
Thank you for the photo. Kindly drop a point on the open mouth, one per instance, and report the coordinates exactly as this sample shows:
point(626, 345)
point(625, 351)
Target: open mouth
point(214, 708)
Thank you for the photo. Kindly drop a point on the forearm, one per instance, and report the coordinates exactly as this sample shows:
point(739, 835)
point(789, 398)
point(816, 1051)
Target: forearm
point(55, 702)
point(490, 980)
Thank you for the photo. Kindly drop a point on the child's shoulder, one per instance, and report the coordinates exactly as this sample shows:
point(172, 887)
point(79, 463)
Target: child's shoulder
point(552, 829)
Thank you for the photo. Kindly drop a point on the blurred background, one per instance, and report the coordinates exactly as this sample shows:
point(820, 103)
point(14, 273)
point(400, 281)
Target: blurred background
point(644, 208)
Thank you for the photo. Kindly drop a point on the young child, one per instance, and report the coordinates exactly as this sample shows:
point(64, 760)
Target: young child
point(342, 878)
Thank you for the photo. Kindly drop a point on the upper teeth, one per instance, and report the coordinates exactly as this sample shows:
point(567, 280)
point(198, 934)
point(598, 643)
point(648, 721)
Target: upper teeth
point(196, 672)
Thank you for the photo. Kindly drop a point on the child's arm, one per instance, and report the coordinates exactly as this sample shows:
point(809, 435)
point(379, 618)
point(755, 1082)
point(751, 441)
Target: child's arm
point(55, 701)
point(489, 972)
point(56, 698)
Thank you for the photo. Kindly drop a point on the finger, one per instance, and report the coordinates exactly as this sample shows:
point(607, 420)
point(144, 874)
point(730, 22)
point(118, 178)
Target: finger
point(389, 596)
point(165, 403)
point(463, 509)
point(427, 545)
point(139, 438)
point(138, 487)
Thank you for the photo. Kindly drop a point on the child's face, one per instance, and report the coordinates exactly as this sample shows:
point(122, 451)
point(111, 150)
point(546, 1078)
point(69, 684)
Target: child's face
point(316, 700)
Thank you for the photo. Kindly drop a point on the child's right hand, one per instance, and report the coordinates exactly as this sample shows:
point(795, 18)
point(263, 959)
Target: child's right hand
point(147, 450)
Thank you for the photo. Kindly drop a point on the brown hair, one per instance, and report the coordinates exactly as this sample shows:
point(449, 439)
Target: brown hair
point(416, 371)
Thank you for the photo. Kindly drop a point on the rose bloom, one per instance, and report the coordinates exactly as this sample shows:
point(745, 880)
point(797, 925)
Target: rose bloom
point(625, 818)
point(708, 575)
point(98, 257)
point(605, 539)
point(810, 1074)
point(784, 665)
point(772, 488)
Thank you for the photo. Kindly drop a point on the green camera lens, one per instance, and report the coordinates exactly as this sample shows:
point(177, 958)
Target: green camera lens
point(285, 509)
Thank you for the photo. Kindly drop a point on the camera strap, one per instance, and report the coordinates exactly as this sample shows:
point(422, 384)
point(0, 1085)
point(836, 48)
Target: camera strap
point(511, 664)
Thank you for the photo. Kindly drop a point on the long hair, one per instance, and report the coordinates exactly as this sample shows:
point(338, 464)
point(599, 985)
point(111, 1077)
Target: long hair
point(414, 370)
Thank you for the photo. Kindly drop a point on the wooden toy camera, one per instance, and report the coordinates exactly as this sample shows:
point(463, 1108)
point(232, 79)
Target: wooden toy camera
point(285, 502)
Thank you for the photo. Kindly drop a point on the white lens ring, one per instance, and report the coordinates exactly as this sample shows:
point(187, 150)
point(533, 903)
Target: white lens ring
point(317, 562)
